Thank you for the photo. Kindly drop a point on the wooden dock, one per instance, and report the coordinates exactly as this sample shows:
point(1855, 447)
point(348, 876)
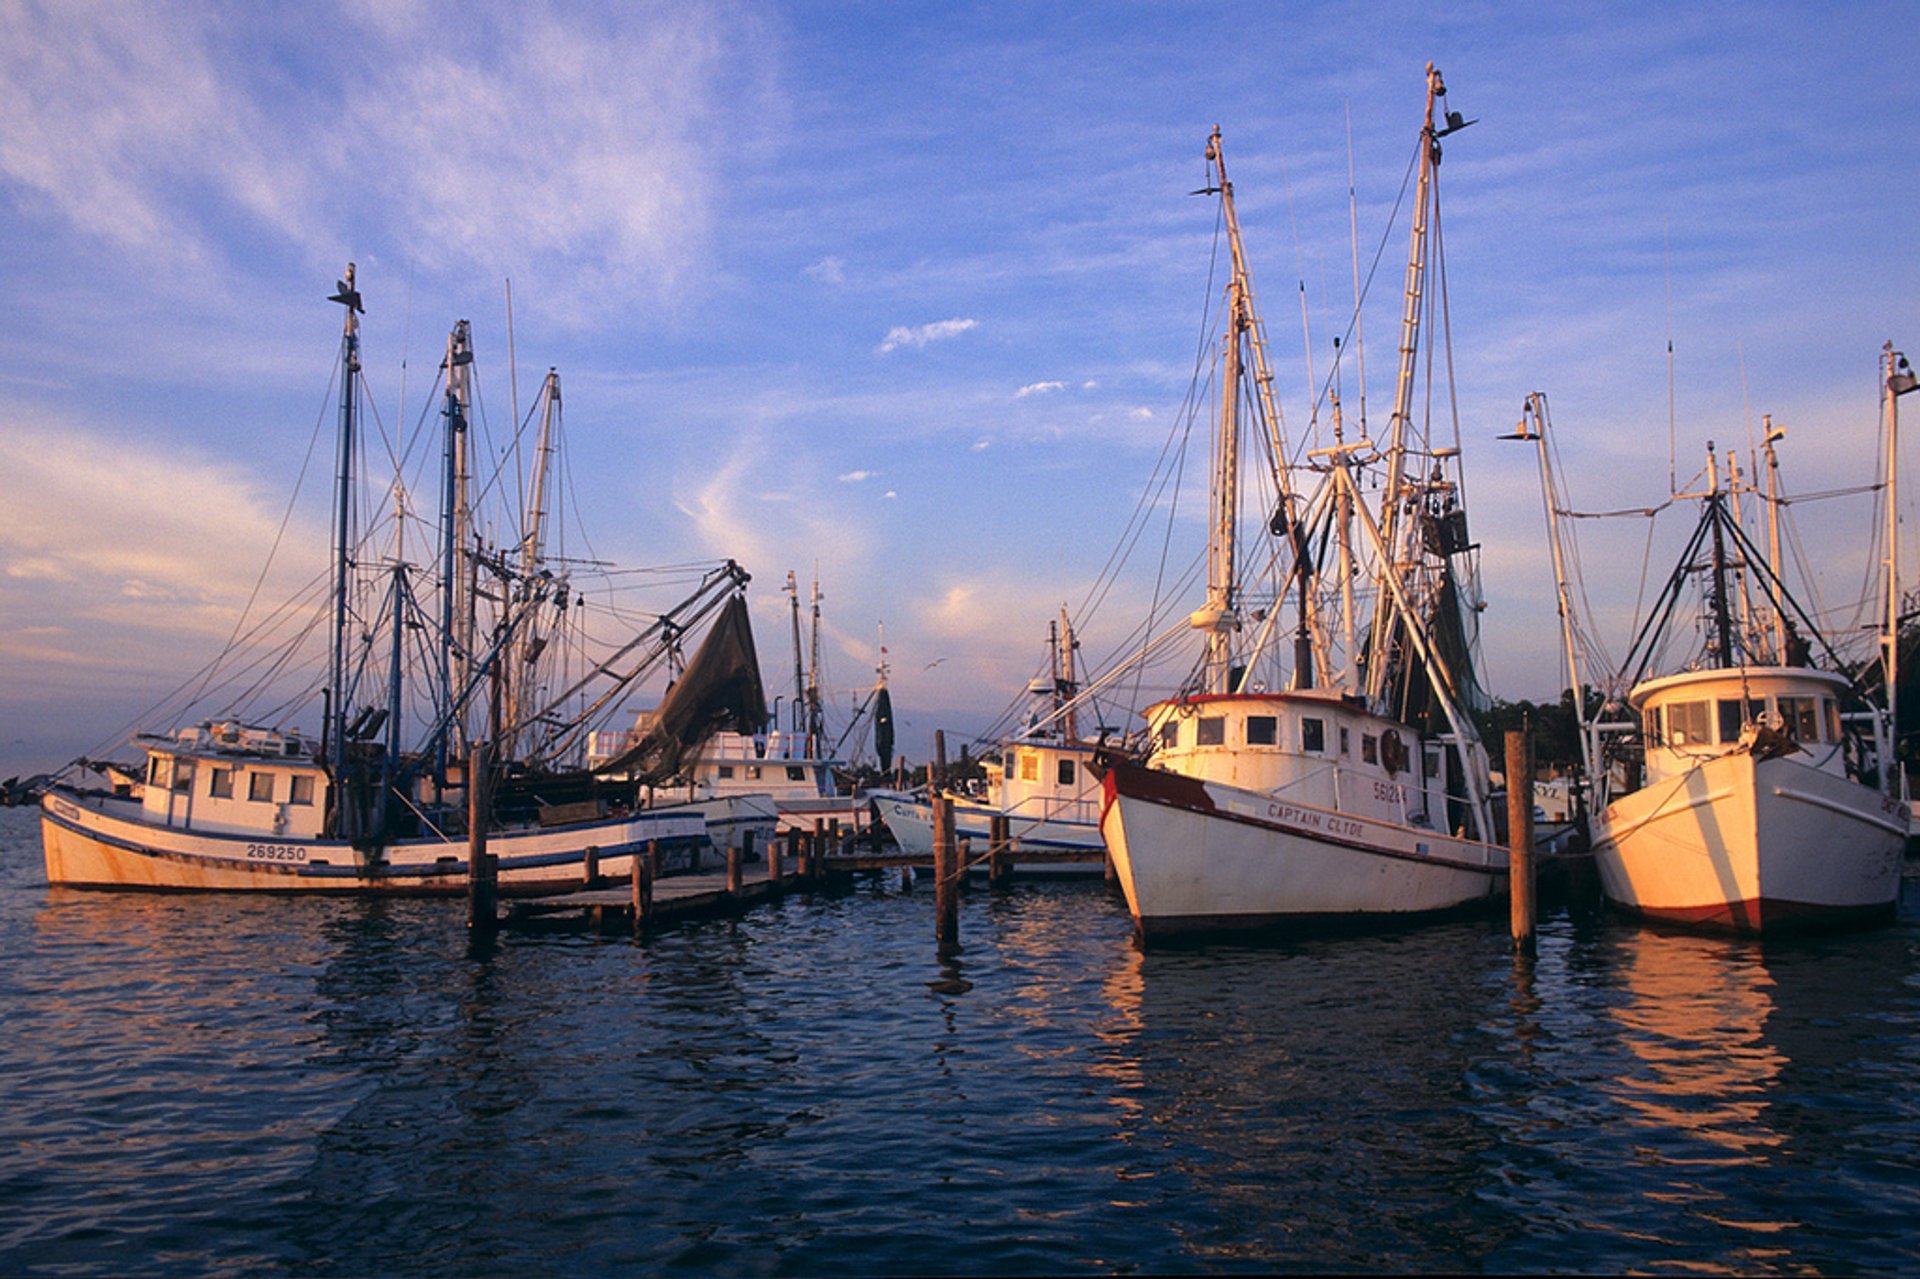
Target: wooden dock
point(624, 905)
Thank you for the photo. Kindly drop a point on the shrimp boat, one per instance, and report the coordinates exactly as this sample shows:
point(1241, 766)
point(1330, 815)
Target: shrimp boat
point(1041, 779)
point(228, 804)
point(1352, 786)
point(1758, 791)
point(788, 777)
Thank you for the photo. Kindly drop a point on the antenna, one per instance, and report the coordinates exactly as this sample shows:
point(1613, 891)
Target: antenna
point(1353, 228)
point(1673, 482)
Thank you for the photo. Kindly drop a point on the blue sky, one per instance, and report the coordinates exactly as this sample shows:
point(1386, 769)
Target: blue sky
point(907, 292)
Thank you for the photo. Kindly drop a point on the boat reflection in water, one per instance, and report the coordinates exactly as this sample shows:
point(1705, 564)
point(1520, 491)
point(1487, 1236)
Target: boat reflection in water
point(1698, 1064)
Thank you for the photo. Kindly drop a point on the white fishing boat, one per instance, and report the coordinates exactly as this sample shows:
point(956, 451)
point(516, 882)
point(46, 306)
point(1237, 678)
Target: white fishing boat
point(781, 779)
point(1041, 779)
point(1755, 793)
point(227, 804)
point(1349, 784)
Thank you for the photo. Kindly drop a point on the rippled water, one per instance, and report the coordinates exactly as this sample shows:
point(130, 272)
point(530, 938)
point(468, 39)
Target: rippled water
point(210, 1084)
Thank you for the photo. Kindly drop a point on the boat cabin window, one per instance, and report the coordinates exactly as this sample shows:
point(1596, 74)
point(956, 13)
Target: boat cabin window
point(1313, 734)
point(1655, 726)
point(302, 790)
point(1064, 775)
point(1832, 715)
point(1210, 730)
point(183, 774)
point(159, 770)
point(725, 771)
point(1345, 747)
point(1369, 749)
point(753, 772)
point(1687, 724)
point(260, 787)
point(1263, 730)
point(796, 773)
point(1732, 719)
point(1798, 712)
point(1029, 767)
point(220, 783)
point(1007, 765)
point(1170, 734)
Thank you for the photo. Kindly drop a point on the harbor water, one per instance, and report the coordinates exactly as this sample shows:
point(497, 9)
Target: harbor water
point(214, 1084)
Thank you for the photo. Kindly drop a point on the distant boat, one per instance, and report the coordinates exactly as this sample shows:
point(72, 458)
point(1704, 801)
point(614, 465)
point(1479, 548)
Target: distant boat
point(1759, 790)
point(223, 804)
point(790, 778)
point(1040, 778)
point(1352, 785)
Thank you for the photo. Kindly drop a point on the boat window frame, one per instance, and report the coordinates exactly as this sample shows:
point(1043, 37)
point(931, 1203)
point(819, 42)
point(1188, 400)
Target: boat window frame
point(183, 776)
point(1313, 735)
point(255, 776)
point(1170, 734)
point(1063, 772)
point(295, 787)
point(1792, 708)
point(1369, 749)
point(1268, 724)
point(1679, 735)
point(1729, 734)
point(1210, 730)
point(220, 782)
point(1029, 766)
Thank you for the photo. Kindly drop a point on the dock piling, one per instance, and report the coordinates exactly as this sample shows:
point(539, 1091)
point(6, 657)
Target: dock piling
point(1520, 881)
point(590, 867)
point(483, 917)
point(946, 877)
point(734, 857)
point(999, 850)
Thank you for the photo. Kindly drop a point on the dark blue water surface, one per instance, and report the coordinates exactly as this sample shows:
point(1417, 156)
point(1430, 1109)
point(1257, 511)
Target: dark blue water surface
point(223, 1085)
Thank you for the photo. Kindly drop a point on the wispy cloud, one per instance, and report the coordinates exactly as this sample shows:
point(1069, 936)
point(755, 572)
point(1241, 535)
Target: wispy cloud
point(828, 270)
point(982, 445)
point(1038, 388)
point(919, 336)
point(1142, 414)
point(856, 477)
point(579, 150)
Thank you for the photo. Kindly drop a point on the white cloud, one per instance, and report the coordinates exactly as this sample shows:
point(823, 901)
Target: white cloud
point(982, 445)
point(828, 270)
point(892, 494)
point(1038, 388)
point(1141, 414)
point(1089, 385)
point(856, 477)
point(900, 335)
point(582, 152)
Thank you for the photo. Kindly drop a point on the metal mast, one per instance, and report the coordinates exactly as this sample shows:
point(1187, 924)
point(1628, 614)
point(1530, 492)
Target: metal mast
point(816, 714)
point(1773, 539)
point(1897, 380)
point(456, 621)
point(533, 551)
point(799, 663)
point(1069, 685)
point(349, 298)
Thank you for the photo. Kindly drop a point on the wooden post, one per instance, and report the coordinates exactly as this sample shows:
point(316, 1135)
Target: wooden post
point(1520, 835)
point(643, 867)
point(749, 841)
point(833, 836)
point(946, 877)
point(590, 867)
point(733, 869)
point(776, 866)
point(938, 776)
point(999, 850)
point(482, 888)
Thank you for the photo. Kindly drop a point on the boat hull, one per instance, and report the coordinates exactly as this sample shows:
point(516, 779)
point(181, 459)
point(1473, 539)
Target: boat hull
point(1753, 846)
point(911, 822)
point(101, 843)
point(1198, 857)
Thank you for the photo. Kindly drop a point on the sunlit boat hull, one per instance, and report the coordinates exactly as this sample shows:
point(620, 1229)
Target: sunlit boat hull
point(1753, 846)
point(1196, 857)
point(92, 842)
point(911, 822)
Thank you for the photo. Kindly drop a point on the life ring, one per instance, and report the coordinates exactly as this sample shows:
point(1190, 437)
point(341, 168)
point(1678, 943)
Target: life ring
point(1393, 752)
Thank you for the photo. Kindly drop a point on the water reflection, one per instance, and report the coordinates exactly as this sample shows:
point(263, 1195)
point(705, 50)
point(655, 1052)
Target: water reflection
point(1695, 1024)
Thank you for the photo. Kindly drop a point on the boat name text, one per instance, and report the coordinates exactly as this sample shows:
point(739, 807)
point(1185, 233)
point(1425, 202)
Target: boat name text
point(1294, 815)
